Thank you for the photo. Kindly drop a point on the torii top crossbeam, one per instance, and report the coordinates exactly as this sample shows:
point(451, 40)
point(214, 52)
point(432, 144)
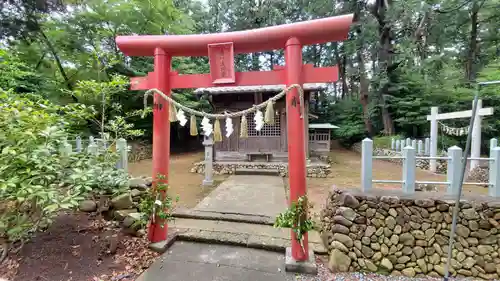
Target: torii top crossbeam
point(263, 39)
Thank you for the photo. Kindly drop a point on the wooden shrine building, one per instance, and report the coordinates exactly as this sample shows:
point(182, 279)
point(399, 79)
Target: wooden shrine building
point(270, 144)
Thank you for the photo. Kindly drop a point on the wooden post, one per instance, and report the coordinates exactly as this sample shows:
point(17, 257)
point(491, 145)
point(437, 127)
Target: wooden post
point(366, 164)
point(409, 167)
point(494, 189)
point(454, 169)
point(434, 137)
point(208, 142)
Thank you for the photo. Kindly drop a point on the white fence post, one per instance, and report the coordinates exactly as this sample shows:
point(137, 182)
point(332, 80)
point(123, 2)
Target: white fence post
point(78, 144)
point(414, 144)
point(420, 147)
point(475, 150)
point(454, 169)
point(409, 167)
point(408, 142)
point(122, 149)
point(65, 149)
point(494, 187)
point(92, 148)
point(434, 137)
point(401, 145)
point(491, 164)
point(427, 146)
point(393, 144)
point(366, 164)
point(397, 145)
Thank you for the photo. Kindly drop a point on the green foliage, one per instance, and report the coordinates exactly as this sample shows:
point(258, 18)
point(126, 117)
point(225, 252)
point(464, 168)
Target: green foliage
point(295, 217)
point(348, 116)
point(103, 98)
point(36, 179)
point(18, 76)
point(157, 203)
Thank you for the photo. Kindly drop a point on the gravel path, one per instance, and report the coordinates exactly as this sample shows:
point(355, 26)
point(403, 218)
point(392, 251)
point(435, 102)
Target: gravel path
point(325, 275)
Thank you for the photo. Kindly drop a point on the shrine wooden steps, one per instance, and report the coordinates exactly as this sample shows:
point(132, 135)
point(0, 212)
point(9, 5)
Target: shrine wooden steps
point(257, 171)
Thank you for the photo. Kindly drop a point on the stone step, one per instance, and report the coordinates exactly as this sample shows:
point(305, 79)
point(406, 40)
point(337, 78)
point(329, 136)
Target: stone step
point(186, 213)
point(242, 234)
point(264, 172)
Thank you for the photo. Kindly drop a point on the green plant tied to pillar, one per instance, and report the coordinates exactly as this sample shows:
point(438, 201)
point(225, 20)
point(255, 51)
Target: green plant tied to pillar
point(156, 205)
point(295, 217)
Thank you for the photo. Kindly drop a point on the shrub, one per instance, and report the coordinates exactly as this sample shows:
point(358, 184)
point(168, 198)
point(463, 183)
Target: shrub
point(36, 180)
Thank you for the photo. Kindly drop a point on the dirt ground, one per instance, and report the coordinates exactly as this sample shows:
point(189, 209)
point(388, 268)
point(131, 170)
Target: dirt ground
point(346, 173)
point(77, 247)
point(181, 181)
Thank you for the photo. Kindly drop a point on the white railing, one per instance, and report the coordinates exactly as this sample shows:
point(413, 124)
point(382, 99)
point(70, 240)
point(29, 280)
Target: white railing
point(454, 168)
point(422, 146)
point(94, 146)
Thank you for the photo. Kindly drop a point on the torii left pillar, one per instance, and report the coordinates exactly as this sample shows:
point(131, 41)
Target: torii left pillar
point(161, 136)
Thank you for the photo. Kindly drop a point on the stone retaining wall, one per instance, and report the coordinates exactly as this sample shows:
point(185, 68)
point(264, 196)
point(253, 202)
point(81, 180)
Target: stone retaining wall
point(391, 232)
point(220, 168)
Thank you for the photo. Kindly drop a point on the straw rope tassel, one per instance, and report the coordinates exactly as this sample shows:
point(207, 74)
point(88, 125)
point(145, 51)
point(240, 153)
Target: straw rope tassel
point(244, 127)
point(269, 115)
point(193, 128)
point(217, 131)
point(172, 112)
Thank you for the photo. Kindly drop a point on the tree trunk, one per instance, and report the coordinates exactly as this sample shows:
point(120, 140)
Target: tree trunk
point(343, 76)
point(340, 60)
point(363, 92)
point(470, 69)
point(385, 60)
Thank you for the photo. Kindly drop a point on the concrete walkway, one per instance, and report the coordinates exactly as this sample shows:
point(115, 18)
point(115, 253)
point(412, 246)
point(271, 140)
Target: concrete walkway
point(247, 195)
point(234, 222)
point(188, 261)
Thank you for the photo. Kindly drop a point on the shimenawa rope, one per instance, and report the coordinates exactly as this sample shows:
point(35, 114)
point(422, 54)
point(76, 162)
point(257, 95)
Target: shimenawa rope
point(230, 115)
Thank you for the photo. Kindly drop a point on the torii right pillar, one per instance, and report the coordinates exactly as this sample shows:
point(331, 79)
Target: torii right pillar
point(296, 138)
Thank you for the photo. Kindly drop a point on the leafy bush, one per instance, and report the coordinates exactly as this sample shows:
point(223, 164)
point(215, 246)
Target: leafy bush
point(157, 202)
point(36, 179)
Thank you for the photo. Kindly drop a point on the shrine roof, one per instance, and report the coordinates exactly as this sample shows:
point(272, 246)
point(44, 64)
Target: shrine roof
point(257, 89)
point(323, 126)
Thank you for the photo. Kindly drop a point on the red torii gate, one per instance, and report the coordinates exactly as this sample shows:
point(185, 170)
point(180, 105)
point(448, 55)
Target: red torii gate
point(221, 48)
